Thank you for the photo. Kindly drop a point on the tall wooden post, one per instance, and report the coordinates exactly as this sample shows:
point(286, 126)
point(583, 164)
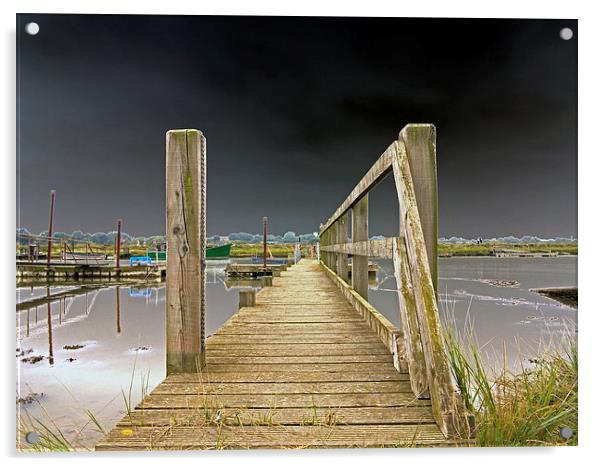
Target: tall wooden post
point(118, 244)
point(420, 141)
point(186, 241)
point(341, 237)
point(265, 242)
point(359, 232)
point(50, 222)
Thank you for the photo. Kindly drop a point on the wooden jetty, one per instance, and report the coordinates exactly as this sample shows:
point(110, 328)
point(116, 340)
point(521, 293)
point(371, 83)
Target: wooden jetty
point(307, 361)
point(255, 270)
point(302, 368)
point(59, 271)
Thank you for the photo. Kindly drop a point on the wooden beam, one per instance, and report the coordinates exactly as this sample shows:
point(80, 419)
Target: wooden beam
point(341, 238)
point(185, 229)
point(448, 408)
point(421, 148)
point(378, 171)
point(382, 248)
point(359, 232)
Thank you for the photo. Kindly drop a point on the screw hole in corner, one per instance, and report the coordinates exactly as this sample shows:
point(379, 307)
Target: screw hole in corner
point(566, 33)
point(32, 28)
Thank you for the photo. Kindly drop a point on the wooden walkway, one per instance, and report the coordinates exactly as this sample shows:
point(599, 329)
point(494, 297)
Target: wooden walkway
point(299, 369)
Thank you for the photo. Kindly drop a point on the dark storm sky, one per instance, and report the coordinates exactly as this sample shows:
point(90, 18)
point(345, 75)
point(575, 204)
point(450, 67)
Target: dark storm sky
point(295, 110)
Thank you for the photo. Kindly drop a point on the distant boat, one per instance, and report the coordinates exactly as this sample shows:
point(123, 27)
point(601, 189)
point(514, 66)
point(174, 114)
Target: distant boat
point(218, 252)
point(215, 252)
point(269, 260)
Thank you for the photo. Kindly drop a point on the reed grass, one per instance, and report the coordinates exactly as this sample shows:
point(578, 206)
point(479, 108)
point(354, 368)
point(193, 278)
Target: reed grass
point(522, 407)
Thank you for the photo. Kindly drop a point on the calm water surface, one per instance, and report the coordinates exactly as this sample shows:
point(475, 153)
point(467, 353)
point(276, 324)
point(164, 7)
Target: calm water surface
point(122, 334)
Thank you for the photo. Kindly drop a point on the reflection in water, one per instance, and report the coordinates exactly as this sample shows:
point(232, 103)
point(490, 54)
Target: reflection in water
point(49, 318)
point(105, 341)
point(118, 310)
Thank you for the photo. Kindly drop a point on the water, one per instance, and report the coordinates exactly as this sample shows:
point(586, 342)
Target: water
point(123, 346)
point(511, 319)
point(123, 339)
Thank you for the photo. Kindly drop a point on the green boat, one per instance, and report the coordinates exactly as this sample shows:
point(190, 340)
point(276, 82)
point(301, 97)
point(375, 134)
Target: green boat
point(218, 252)
point(215, 252)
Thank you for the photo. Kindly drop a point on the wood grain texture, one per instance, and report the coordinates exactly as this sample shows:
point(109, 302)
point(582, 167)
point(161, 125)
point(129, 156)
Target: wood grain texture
point(185, 230)
point(286, 383)
point(420, 141)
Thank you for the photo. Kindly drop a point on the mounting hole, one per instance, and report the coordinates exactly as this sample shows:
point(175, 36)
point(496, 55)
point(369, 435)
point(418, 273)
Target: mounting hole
point(32, 437)
point(566, 432)
point(32, 28)
point(566, 33)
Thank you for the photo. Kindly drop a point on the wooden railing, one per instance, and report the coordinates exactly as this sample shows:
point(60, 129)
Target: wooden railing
point(418, 344)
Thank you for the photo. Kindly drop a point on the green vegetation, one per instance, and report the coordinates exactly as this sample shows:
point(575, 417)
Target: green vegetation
point(446, 249)
point(526, 408)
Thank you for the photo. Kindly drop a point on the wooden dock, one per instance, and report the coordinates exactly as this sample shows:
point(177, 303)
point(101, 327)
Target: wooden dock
point(300, 369)
point(58, 271)
point(307, 361)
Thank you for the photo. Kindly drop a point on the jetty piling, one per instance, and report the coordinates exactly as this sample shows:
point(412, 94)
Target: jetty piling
point(50, 222)
point(185, 189)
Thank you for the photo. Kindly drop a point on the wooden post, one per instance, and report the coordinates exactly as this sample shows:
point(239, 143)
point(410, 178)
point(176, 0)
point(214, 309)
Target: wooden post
point(266, 281)
point(420, 141)
point(118, 245)
point(118, 306)
point(359, 232)
point(265, 242)
point(246, 298)
point(341, 237)
point(50, 221)
point(186, 241)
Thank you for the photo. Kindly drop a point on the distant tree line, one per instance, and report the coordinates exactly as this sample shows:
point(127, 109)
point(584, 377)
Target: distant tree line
point(243, 237)
point(109, 237)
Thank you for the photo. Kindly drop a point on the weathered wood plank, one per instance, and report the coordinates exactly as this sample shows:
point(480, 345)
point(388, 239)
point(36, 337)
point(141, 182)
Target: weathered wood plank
point(419, 141)
point(296, 376)
point(185, 229)
point(283, 416)
point(235, 388)
point(324, 436)
point(283, 400)
point(447, 405)
point(299, 349)
point(382, 248)
point(324, 359)
point(359, 233)
point(331, 367)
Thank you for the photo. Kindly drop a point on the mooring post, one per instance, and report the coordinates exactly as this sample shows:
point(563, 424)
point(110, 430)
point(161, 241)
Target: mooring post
point(420, 141)
point(246, 298)
point(50, 221)
point(265, 242)
point(118, 245)
point(359, 232)
point(186, 240)
point(266, 281)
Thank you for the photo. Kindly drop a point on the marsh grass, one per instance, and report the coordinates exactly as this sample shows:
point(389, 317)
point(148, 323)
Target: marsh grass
point(522, 407)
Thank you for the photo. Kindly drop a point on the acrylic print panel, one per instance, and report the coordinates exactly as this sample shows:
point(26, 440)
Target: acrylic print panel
point(286, 232)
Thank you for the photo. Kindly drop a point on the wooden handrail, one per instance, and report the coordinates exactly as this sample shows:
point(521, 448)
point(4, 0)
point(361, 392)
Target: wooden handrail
point(411, 159)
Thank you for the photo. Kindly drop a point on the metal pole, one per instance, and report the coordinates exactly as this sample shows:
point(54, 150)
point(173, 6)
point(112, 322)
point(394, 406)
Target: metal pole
point(52, 198)
point(265, 242)
point(118, 244)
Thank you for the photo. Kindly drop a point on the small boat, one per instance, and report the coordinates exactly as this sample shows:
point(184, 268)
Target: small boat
point(218, 252)
point(214, 252)
point(269, 260)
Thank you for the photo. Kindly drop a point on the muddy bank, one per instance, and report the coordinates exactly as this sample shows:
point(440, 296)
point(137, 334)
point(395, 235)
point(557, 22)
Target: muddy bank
point(565, 295)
